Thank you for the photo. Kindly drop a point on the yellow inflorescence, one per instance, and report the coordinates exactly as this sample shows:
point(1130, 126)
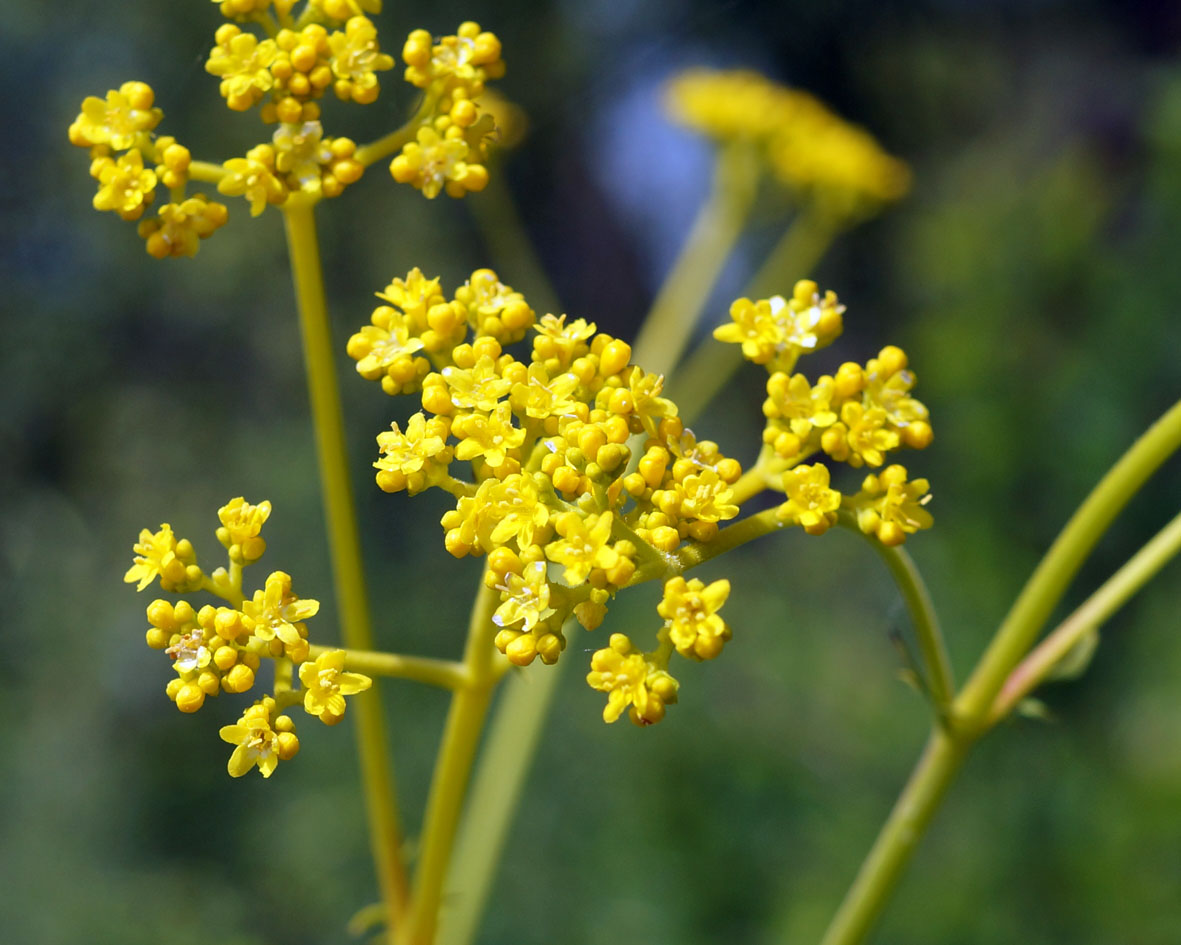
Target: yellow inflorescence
point(220, 648)
point(550, 497)
point(449, 148)
point(285, 70)
point(806, 146)
point(855, 416)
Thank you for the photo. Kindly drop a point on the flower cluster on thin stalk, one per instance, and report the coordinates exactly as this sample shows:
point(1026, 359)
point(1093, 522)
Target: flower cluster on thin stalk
point(581, 479)
point(217, 649)
point(284, 63)
point(806, 148)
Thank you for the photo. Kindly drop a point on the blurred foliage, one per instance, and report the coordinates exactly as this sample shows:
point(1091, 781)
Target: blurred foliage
point(1032, 278)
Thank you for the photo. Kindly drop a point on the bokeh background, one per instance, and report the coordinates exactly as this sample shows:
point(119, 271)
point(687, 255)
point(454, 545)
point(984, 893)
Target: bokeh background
point(1032, 275)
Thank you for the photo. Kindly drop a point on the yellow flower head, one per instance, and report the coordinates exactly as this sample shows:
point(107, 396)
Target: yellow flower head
point(125, 186)
point(494, 309)
point(691, 611)
point(241, 524)
point(243, 64)
point(160, 554)
point(433, 163)
point(464, 59)
point(414, 459)
point(488, 436)
point(279, 614)
point(326, 684)
point(810, 503)
point(891, 507)
point(477, 388)
point(121, 121)
point(524, 597)
point(584, 545)
point(179, 227)
point(631, 682)
point(260, 741)
point(541, 396)
point(253, 177)
point(356, 60)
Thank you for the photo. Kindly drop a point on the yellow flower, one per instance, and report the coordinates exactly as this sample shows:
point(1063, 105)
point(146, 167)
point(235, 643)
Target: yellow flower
point(706, 497)
point(179, 227)
point(524, 597)
point(489, 435)
point(584, 545)
point(493, 308)
point(415, 296)
point(810, 502)
point(511, 509)
point(630, 680)
point(278, 613)
point(890, 507)
point(378, 348)
point(887, 385)
point(415, 459)
point(253, 178)
point(241, 524)
point(867, 436)
point(259, 742)
point(753, 326)
point(540, 396)
point(159, 553)
point(691, 609)
point(802, 405)
point(733, 105)
point(301, 153)
point(120, 121)
point(356, 59)
point(466, 58)
point(126, 186)
point(326, 685)
point(433, 162)
point(478, 388)
point(243, 63)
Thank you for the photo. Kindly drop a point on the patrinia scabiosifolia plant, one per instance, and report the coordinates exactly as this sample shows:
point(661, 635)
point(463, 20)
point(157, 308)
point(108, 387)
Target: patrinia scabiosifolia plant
point(573, 470)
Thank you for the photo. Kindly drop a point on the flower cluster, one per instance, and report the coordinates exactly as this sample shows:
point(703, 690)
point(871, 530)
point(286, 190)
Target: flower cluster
point(805, 146)
point(449, 148)
point(331, 45)
point(551, 496)
point(220, 648)
point(855, 416)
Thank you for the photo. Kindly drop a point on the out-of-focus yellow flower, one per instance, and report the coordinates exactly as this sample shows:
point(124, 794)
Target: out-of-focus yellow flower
point(434, 162)
point(120, 121)
point(243, 64)
point(125, 186)
point(179, 227)
point(356, 60)
point(253, 177)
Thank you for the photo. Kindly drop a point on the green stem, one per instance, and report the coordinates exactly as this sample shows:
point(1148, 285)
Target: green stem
point(206, 172)
point(514, 733)
point(711, 364)
point(447, 674)
point(687, 287)
point(461, 737)
point(386, 145)
point(919, 605)
point(899, 837)
point(1096, 610)
point(345, 548)
point(949, 744)
point(1049, 581)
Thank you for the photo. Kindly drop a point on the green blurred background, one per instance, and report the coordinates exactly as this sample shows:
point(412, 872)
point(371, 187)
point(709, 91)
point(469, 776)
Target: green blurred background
point(1032, 275)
